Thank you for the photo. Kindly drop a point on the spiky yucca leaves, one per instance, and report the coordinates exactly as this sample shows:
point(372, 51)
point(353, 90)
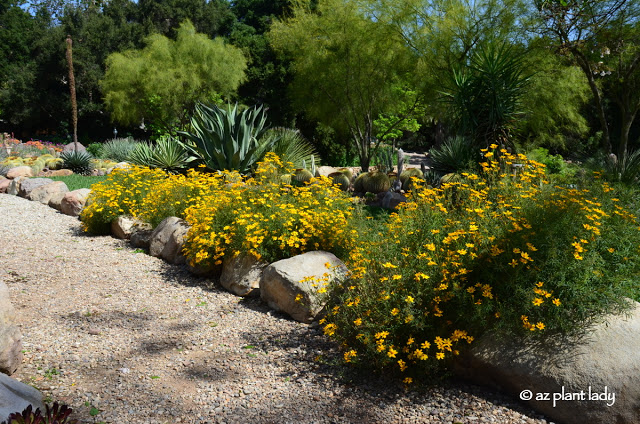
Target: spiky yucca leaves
point(377, 182)
point(77, 161)
point(454, 155)
point(225, 139)
point(57, 414)
point(301, 176)
point(625, 170)
point(358, 184)
point(118, 149)
point(341, 180)
point(290, 146)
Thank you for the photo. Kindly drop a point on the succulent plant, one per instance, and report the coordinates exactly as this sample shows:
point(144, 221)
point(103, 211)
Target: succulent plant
point(57, 414)
point(77, 161)
point(302, 176)
point(377, 182)
point(347, 172)
point(54, 163)
point(406, 176)
point(341, 180)
point(451, 177)
point(358, 184)
point(285, 179)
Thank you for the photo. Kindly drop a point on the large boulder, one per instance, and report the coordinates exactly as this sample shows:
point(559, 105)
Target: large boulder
point(20, 171)
point(58, 173)
point(391, 200)
point(10, 337)
point(167, 240)
point(44, 193)
point(292, 285)
point(73, 201)
point(593, 378)
point(31, 184)
point(14, 187)
point(4, 184)
point(124, 226)
point(56, 200)
point(241, 274)
point(141, 238)
point(74, 146)
point(16, 397)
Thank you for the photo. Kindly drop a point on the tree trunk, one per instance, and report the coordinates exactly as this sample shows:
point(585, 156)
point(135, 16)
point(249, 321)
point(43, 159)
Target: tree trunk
point(627, 121)
point(584, 65)
point(72, 92)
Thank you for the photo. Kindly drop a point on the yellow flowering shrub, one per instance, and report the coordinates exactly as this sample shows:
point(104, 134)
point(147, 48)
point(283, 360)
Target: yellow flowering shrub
point(503, 250)
point(120, 194)
point(268, 219)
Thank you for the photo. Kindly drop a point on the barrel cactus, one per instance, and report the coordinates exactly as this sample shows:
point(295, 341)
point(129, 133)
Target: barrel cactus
point(347, 172)
point(377, 182)
point(358, 184)
point(54, 163)
point(451, 177)
point(302, 176)
point(340, 179)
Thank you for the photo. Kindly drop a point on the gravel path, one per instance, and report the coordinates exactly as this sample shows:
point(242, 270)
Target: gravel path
point(141, 341)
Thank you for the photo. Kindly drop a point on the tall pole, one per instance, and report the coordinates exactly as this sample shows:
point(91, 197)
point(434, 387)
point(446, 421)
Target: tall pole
point(72, 91)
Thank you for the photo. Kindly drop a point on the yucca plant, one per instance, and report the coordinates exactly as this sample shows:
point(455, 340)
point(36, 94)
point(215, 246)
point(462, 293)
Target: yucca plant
point(625, 170)
point(57, 414)
point(225, 139)
point(142, 155)
point(77, 161)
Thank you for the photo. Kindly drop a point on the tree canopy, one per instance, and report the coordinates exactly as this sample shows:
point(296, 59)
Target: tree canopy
point(162, 82)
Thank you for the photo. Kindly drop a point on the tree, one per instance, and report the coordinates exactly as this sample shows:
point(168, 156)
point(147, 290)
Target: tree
point(72, 91)
point(162, 82)
point(345, 66)
point(603, 38)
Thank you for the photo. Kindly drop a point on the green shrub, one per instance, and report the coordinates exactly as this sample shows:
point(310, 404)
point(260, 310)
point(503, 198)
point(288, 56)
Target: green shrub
point(290, 146)
point(118, 149)
point(456, 154)
point(95, 149)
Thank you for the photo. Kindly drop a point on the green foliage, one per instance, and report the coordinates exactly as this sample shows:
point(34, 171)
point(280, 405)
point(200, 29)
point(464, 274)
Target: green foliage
point(289, 145)
point(118, 149)
point(625, 170)
point(345, 65)
point(385, 159)
point(225, 139)
point(162, 82)
point(142, 155)
point(57, 414)
point(170, 155)
point(95, 149)
point(456, 154)
point(77, 161)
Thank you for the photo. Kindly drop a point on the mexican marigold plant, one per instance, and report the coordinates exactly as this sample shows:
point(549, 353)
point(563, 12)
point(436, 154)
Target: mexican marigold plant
point(502, 250)
point(122, 193)
point(268, 219)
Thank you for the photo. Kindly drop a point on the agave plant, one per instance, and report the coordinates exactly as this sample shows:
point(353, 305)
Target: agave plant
point(57, 414)
point(78, 161)
point(168, 154)
point(225, 139)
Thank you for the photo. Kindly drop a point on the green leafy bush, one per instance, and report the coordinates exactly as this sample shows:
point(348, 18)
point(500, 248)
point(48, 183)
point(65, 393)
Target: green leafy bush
point(289, 145)
point(95, 149)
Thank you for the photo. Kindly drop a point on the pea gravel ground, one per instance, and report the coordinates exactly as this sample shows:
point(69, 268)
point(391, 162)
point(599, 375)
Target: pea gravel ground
point(110, 328)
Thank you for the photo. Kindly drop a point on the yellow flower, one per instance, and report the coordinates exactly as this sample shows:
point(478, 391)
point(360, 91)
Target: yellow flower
point(358, 322)
point(348, 356)
point(330, 329)
point(537, 301)
point(409, 299)
point(402, 365)
point(540, 326)
point(408, 380)
point(395, 311)
point(440, 355)
point(396, 277)
point(389, 265)
point(556, 302)
point(392, 352)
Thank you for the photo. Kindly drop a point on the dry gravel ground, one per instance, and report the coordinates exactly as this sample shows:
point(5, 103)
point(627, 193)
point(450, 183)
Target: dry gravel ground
point(141, 341)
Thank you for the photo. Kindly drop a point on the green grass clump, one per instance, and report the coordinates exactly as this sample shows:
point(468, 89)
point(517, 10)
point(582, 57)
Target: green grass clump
point(75, 181)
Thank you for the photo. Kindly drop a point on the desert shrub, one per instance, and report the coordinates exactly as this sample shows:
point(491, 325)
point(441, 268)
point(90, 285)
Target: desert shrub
point(77, 161)
point(492, 252)
point(95, 149)
point(118, 149)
